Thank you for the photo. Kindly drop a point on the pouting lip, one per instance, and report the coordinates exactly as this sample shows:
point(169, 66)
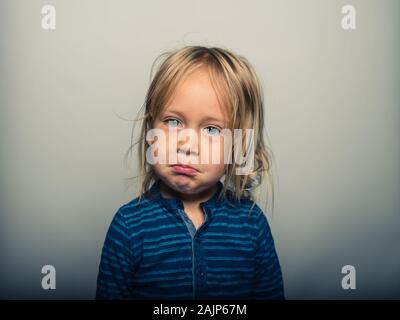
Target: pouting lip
point(183, 165)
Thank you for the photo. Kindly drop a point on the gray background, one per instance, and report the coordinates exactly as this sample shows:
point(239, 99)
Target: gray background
point(332, 103)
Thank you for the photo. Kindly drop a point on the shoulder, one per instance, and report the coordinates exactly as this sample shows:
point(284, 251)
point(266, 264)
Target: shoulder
point(249, 211)
point(135, 209)
point(245, 206)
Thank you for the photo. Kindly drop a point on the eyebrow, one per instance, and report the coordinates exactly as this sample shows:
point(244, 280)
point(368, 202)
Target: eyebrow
point(207, 118)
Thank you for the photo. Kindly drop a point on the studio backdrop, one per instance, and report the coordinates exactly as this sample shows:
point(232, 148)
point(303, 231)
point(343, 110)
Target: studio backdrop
point(73, 74)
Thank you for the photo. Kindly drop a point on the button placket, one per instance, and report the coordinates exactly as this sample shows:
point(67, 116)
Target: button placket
point(201, 271)
point(198, 263)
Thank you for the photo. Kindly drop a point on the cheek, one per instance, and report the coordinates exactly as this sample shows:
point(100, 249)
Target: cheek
point(157, 148)
point(213, 151)
point(214, 169)
point(171, 144)
point(217, 147)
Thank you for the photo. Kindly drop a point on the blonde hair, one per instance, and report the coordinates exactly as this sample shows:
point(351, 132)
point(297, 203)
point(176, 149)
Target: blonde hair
point(237, 86)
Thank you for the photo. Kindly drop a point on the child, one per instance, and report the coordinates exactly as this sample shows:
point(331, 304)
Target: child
point(189, 235)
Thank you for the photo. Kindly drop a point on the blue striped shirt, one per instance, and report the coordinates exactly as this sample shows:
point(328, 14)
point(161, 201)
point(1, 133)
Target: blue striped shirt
point(153, 251)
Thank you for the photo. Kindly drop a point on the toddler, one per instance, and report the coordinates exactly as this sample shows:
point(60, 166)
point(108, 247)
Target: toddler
point(195, 231)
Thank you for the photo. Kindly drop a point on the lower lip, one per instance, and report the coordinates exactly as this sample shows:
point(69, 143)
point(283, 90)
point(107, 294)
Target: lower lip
point(185, 170)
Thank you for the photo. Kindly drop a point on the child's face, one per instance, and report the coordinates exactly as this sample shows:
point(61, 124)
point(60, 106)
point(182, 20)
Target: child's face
point(194, 106)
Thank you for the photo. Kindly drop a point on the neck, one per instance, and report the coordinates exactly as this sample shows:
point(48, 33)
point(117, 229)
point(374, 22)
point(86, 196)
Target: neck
point(188, 199)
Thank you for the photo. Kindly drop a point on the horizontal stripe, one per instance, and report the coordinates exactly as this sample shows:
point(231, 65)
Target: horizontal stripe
point(167, 261)
point(149, 253)
point(166, 243)
point(230, 270)
point(160, 278)
point(158, 239)
point(227, 248)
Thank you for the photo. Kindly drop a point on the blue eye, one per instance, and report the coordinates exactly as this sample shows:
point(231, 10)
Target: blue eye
point(214, 130)
point(172, 122)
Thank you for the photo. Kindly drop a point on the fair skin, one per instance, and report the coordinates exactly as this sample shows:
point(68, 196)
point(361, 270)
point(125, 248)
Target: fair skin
point(195, 106)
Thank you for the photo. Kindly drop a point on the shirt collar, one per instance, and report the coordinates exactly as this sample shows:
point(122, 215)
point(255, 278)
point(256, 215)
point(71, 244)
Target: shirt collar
point(175, 203)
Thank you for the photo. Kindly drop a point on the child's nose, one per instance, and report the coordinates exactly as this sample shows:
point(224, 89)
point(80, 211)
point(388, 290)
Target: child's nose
point(188, 149)
point(188, 144)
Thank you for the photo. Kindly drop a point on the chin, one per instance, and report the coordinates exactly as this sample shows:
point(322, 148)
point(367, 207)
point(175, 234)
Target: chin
point(185, 187)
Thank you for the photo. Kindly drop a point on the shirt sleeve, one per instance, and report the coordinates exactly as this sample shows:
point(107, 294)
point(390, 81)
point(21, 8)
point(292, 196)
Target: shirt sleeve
point(268, 275)
point(116, 267)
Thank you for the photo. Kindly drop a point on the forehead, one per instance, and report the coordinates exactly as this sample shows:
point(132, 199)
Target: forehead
point(196, 97)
